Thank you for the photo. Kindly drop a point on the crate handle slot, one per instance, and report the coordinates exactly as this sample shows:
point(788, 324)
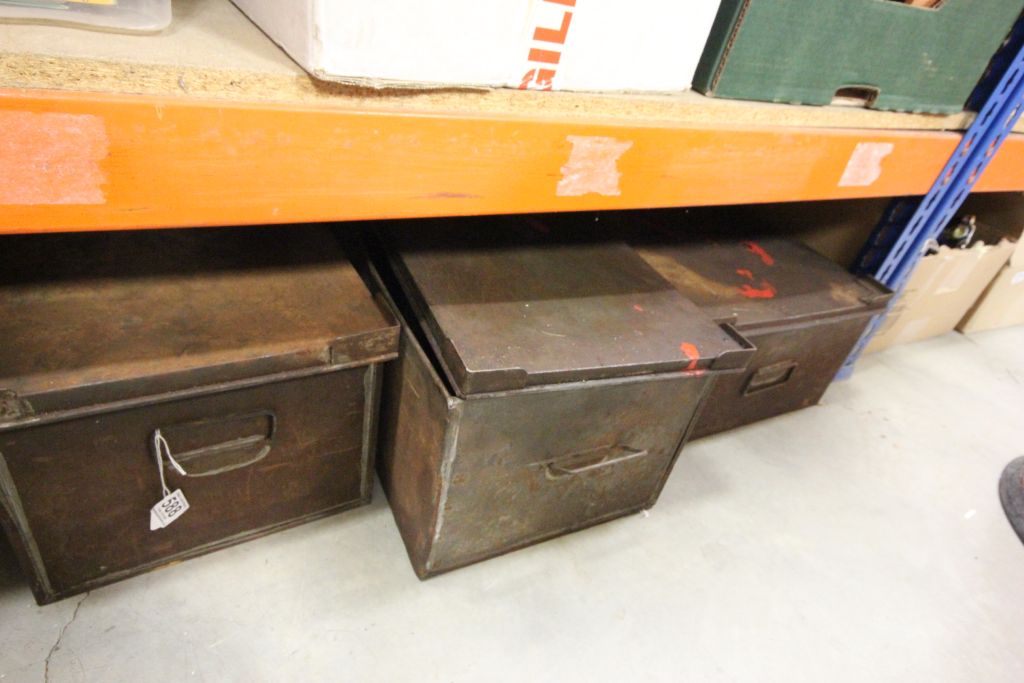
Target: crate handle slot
point(240, 441)
point(770, 376)
point(921, 4)
point(587, 461)
point(856, 95)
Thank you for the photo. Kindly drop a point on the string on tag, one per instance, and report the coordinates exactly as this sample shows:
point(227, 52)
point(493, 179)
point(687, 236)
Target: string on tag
point(161, 448)
point(174, 504)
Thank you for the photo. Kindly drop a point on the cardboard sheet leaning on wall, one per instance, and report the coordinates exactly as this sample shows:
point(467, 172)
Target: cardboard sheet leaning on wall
point(1002, 304)
point(943, 287)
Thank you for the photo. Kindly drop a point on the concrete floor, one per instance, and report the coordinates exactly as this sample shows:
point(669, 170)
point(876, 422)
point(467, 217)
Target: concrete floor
point(861, 540)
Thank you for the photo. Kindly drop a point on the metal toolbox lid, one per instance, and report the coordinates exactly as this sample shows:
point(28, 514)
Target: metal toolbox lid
point(524, 309)
point(102, 318)
point(761, 282)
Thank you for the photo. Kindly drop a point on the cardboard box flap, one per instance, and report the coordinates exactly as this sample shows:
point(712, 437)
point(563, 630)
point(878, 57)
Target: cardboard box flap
point(942, 288)
point(1002, 304)
point(1017, 257)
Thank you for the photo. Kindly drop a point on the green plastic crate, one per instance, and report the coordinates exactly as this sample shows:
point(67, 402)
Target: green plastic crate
point(894, 55)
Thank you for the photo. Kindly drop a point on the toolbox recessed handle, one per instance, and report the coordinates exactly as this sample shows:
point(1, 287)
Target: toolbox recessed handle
point(770, 376)
point(587, 461)
point(210, 446)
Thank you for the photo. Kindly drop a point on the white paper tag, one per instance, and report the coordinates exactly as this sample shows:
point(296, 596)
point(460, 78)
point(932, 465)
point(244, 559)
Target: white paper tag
point(167, 510)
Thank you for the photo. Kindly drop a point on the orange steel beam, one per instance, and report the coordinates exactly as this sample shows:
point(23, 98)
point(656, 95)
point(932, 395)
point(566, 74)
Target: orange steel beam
point(82, 161)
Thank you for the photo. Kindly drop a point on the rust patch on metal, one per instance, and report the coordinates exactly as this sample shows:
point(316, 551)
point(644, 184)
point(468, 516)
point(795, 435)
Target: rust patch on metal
point(682, 277)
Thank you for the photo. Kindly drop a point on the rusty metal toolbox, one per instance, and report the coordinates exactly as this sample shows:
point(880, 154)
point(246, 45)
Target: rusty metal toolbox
point(537, 391)
point(803, 312)
point(239, 367)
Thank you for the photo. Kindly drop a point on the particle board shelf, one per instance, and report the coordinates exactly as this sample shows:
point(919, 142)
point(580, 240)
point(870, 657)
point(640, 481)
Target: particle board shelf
point(210, 123)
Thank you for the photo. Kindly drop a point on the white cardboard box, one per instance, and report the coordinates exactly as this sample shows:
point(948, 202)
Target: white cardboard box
point(645, 45)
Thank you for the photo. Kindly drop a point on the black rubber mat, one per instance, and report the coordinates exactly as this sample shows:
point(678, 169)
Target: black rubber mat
point(1011, 493)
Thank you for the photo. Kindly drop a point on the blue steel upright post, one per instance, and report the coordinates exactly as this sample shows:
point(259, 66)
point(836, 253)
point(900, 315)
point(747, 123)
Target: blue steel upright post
point(908, 225)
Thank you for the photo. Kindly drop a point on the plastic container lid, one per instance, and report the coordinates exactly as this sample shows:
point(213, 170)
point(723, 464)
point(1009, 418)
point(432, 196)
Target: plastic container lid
point(123, 15)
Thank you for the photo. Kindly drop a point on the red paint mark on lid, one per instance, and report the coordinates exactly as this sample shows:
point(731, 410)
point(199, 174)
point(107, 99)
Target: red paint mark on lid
point(765, 291)
point(638, 308)
point(743, 272)
point(691, 353)
point(757, 249)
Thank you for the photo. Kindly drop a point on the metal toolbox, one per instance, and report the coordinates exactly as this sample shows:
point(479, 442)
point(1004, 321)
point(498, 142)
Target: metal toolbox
point(537, 391)
point(803, 312)
point(249, 360)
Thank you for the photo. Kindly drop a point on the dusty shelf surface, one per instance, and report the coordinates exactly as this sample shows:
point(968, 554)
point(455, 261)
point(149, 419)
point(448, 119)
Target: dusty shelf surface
point(212, 51)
